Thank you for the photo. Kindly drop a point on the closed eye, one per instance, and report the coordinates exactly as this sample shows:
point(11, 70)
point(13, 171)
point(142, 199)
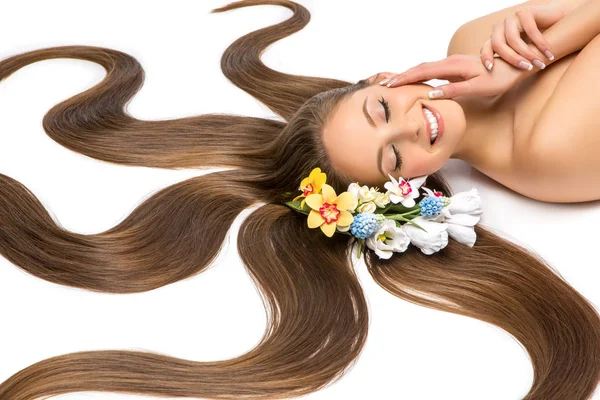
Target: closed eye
point(386, 110)
point(398, 159)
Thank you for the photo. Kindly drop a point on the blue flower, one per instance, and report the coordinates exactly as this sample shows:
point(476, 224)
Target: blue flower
point(431, 206)
point(364, 225)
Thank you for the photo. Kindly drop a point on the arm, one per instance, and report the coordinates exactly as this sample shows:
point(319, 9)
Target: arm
point(573, 32)
point(580, 24)
point(569, 5)
point(471, 35)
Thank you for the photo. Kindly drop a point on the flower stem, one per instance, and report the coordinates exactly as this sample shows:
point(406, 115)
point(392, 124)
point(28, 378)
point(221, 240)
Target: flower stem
point(402, 217)
point(396, 217)
point(415, 211)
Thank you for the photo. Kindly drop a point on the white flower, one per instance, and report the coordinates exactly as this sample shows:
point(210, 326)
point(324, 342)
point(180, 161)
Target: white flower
point(403, 191)
point(465, 203)
point(431, 192)
point(354, 188)
point(388, 239)
point(461, 215)
point(461, 228)
point(382, 199)
point(367, 207)
point(362, 193)
point(435, 239)
point(368, 198)
point(366, 194)
point(343, 228)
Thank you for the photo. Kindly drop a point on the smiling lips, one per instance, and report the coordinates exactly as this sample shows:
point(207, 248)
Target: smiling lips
point(440, 122)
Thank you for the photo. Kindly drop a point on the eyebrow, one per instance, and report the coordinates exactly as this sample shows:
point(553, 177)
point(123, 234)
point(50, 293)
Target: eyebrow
point(369, 119)
point(372, 123)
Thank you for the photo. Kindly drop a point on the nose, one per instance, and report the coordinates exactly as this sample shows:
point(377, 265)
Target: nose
point(413, 124)
point(405, 130)
point(408, 120)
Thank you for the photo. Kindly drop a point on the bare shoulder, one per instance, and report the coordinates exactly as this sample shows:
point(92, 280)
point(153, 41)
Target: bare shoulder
point(561, 153)
point(470, 36)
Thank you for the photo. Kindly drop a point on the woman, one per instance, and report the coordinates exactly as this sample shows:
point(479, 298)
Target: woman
point(535, 137)
point(317, 312)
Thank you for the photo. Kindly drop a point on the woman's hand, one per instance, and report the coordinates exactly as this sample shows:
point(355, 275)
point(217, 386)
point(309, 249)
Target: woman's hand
point(506, 38)
point(466, 74)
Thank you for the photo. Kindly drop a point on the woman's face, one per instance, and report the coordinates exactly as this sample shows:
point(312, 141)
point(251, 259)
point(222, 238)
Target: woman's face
point(358, 131)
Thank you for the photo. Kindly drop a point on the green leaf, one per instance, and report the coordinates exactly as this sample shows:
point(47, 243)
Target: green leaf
point(417, 225)
point(396, 209)
point(397, 217)
point(296, 206)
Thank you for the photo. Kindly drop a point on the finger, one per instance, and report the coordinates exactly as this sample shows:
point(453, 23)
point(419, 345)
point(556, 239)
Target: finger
point(529, 24)
point(408, 76)
point(451, 90)
point(471, 87)
point(383, 75)
point(499, 45)
point(389, 80)
point(512, 32)
point(487, 54)
point(450, 67)
point(377, 77)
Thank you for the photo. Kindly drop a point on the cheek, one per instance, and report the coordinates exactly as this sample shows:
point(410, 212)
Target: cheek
point(416, 168)
point(424, 164)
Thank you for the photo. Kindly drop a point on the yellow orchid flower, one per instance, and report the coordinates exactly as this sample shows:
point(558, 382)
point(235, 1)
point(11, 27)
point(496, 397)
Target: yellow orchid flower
point(330, 210)
point(311, 184)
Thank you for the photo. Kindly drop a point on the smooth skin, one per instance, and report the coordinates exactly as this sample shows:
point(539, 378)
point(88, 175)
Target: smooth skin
point(497, 138)
point(349, 132)
point(505, 41)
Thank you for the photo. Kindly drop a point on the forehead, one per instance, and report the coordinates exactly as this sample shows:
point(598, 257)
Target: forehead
point(351, 142)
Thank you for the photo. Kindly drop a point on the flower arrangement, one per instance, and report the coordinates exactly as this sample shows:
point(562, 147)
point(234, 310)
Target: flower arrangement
point(388, 222)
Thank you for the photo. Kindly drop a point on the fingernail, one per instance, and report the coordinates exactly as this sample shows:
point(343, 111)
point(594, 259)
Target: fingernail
point(525, 65)
point(539, 64)
point(549, 55)
point(434, 94)
point(391, 82)
point(488, 64)
point(384, 81)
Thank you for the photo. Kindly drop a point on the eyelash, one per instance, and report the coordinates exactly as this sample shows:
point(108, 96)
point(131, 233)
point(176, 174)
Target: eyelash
point(386, 108)
point(397, 158)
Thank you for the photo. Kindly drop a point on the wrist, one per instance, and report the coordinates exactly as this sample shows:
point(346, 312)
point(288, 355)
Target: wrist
point(566, 6)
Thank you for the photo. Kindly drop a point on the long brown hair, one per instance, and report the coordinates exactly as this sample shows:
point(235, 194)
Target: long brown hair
point(317, 316)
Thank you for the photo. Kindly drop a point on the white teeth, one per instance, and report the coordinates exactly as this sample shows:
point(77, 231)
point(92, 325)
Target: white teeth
point(433, 123)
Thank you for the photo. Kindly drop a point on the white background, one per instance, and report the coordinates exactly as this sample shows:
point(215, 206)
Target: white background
point(412, 352)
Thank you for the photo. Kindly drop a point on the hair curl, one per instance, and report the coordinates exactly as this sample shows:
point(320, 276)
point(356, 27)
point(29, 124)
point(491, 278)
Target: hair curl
point(317, 315)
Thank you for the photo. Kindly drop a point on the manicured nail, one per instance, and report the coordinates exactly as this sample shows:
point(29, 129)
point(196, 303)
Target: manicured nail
point(525, 65)
point(434, 94)
point(539, 64)
point(384, 81)
point(391, 82)
point(549, 55)
point(488, 64)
